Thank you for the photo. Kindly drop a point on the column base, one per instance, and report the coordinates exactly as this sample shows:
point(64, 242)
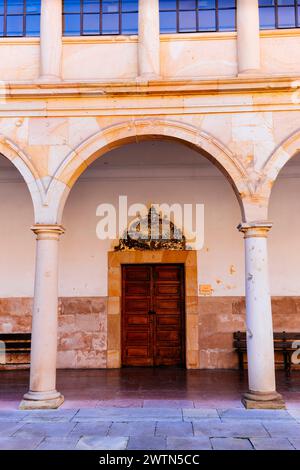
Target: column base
point(263, 401)
point(41, 401)
point(48, 79)
point(249, 73)
point(147, 77)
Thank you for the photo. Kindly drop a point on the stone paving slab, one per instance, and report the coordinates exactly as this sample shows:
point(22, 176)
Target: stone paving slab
point(27, 431)
point(91, 429)
point(129, 414)
point(279, 429)
point(102, 443)
point(7, 428)
point(55, 416)
point(243, 414)
point(295, 443)
point(133, 429)
point(15, 443)
point(150, 429)
point(188, 443)
point(12, 415)
point(62, 443)
point(174, 429)
point(147, 443)
point(280, 443)
point(229, 429)
point(190, 414)
point(295, 414)
point(219, 443)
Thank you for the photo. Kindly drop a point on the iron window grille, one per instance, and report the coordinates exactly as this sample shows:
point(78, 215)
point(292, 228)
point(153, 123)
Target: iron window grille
point(279, 14)
point(20, 18)
point(100, 17)
point(188, 16)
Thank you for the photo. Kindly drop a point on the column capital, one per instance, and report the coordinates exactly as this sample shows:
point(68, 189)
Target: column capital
point(255, 229)
point(48, 232)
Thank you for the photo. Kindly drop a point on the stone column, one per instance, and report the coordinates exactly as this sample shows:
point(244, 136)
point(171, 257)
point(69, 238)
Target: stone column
point(42, 393)
point(248, 38)
point(51, 40)
point(149, 41)
point(260, 348)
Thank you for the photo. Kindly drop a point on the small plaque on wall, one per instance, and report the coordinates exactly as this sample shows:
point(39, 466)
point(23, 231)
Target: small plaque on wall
point(205, 290)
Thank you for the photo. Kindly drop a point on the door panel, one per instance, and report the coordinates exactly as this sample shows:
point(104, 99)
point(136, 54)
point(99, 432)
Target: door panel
point(152, 315)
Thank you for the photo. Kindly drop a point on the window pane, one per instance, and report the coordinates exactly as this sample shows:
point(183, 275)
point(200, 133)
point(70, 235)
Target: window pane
point(14, 25)
point(33, 25)
point(267, 18)
point(266, 3)
point(91, 6)
point(207, 4)
point(110, 6)
point(227, 3)
point(130, 5)
point(129, 23)
point(72, 6)
point(110, 24)
point(15, 6)
point(91, 24)
point(187, 21)
point(226, 20)
point(187, 4)
point(207, 20)
point(1, 7)
point(33, 6)
point(1, 25)
point(286, 17)
point(167, 5)
point(285, 2)
point(72, 25)
point(168, 22)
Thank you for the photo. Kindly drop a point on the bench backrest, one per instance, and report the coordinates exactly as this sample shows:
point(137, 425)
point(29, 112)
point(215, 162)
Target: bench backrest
point(282, 339)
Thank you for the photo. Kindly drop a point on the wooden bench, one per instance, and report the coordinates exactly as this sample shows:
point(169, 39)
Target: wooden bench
point(13, 344)
point(282, 344)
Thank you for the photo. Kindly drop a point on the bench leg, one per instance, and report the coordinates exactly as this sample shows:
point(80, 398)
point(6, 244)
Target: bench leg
point(241, 361)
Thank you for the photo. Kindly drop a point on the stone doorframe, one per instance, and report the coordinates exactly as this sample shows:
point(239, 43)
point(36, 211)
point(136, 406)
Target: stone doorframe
point(115, 261)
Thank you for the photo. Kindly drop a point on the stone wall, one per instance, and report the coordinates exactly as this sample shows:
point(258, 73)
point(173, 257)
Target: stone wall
point(82, 333)
point(219, 317)
point(82, 341)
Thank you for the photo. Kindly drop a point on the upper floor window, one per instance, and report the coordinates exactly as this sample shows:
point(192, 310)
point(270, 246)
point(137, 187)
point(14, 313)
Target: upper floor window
point(99, 17)
point(189, 16)
point(20, 18)
point(279, 14)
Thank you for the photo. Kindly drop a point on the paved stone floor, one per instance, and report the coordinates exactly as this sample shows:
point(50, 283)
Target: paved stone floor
point(155, 409)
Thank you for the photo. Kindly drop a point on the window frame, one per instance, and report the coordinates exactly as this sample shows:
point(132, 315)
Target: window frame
point(24, 15)
point(277, 8)
point(198, 11)
point(82, 13)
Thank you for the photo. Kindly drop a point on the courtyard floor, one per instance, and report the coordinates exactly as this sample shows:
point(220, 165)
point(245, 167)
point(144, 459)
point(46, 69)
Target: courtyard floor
point(149, 409)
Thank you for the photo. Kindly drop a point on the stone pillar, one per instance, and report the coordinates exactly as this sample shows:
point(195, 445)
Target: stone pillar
point(42, 393)
point(149, 41)
point(51, 40)
point(248, 38)
point(260, 348)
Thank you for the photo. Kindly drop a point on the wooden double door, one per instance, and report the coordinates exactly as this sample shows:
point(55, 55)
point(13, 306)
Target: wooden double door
point(153, 315)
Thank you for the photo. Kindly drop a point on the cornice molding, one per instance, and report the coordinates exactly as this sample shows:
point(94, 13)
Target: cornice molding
point(129, 87)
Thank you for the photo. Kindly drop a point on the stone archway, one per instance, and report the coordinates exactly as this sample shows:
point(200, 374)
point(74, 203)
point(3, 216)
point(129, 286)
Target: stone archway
point(21, 162)
point(139, 130)
point(279, 158)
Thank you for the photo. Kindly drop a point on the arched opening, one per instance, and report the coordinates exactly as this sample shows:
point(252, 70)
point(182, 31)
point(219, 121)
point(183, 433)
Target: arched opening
point(284, 247)
point(16, 257)
point(153, 171)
